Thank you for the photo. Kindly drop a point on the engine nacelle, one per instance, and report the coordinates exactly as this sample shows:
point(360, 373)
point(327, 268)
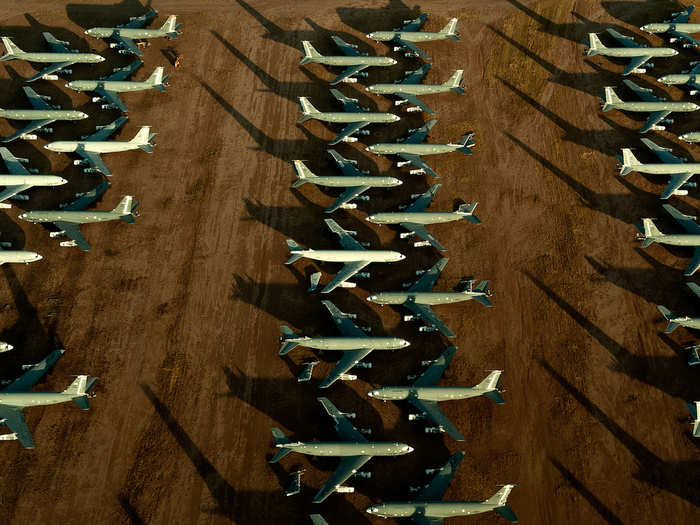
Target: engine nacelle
point(363, 132)
point(67, 244)
point(123, 51)
point(693, 92)
point(350, 80)
point(396, 48)
point(22, 160)
point(407, 318)
point(363, 364)
point(96, 99)
point(362, 74)
point(114, 45)
point(97, 128)
point(45, 130)
point(434, 430)
point(28, 136)
point(418, 171)
point(348, 206)
point(5, 206)
point(90, 170)
point(689, 185)
point(363, 275)
point(420, 272)
point(349, 139)
point(427, 329)
point(673, 39)
point(421, 244)
point(57, 234)
point(65, 71)
point(365, 475)
point(108, 106)
point(79, 162)
point(49, 77)
point(688, 46)
point(347, 284)
point(347, 377)
point(402, 163)
point(413, 109)
point(410, 54)
point(8, 437)
point(416, 417)
point(44, 97)
point(680, 192)
point(20, 197)
point(362, 198)
point(364, 245)
point(657, 128)
point(406, 235)
point(399, 102)
point(639, 70)
point(667, 121)
point(344, 489)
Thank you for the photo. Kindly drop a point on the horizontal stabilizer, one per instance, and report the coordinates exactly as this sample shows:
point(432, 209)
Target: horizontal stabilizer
point(467, 142)
point(507, 513)
point(82, 402)
point(293, 246)
point(280, 454)
point(668, 316)
point(495, 396)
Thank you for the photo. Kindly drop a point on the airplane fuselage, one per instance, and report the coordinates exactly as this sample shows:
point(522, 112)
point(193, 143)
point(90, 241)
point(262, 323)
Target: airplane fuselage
point(106, 146)
point(352, 61)
point(349, 117)
point(663, 27)
point(668, 168)
point(678, 78)
point(117, 86)
point(424, 217)
point(29, 399)
point(430, 298)
point(133, 34)
point(426, 393)
point(651, 107)
point(627, 52)
point(7, 179)
point(42, 114)
point(407, 36)
point(344, 256)
point(409, 89)
point(343, 448)
point(677, 239)
point(342, 181)
point(388, 148)
point(78, 217)
point(18, 256)
point(54, 58)
point(429, 509)
point(693, 136)
point(351, 343)
point(688, 322)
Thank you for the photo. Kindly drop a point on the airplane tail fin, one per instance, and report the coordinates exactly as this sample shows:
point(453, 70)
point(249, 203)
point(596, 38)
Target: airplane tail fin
point(157, 79)
point(594, 44)
point(450, 29)
point(170, 27)
point(455, 81)
point(499, 501)
point(79, 389)
point(307, 109)
point(482, 288)
point(468, 211)
point(490, 386)
point(650, 231)
point(303, 173)
point(668, 316)
point(309, 53)
point(10, 48)
point(280, 440)
point(293, 246)
point(125, 209)
point(611, 99)
point(629, 161)
point(143, 139)
point(466, 143)
point(287, 346)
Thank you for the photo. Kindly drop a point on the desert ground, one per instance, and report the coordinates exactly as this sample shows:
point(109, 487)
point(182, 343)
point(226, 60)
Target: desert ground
point(179, 313)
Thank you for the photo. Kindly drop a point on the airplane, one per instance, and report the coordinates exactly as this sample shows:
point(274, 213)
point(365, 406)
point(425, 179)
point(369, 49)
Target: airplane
point(675, 167)
point(414, 217)
point(126, 34)
point(424, 394)
point(108, 88)
point(686, 77)
point(353, 449)
point(428, 509)
point(69, 218)
point(639, 55)
point(408, 88)
point(354, 256)
point(356, 117)
point(354, 343)
point(676, 321)
point(16, 396)
point(90, 147)
point(17, 256)
point(694, 408)
point(418, 298)
point(60, 57)
point(353, 180)
point(678, 27)
point(41, 116)
point(317, 519)
point(355, 61)
point(17, 178)
point(411, 148)
point(651, 234)
point(658, 108)
point(406, 37)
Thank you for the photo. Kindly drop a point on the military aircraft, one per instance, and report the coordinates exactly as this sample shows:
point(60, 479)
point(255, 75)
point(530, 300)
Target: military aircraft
point(41, 116)
point(354, 61)
point(408, 88)
point(639, 54)
point(406, 37)
point(651, 234)
point(16, 396)
point(69, 218)
point(678, 28)
point(687, 77)
point(60, 57)
point(428, 509)
point(17, 256)
point(694, 408)
point(411, 148)
point(675, 167)
point(353, 448)
point(108, 88)
point(414, 217)
point(353, 180)
point(676, 321)
point(90, 147)
point(354, 116)
point(126, 34)
point(658, 108)
point(17, 178)
point(424, 394)
point(354, 343)
point(354, 256)
point(418, 298)
point(317, 519)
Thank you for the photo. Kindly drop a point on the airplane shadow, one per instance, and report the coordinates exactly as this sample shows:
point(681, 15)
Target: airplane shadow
point(367, 19)
point(109, 15)
point(131, 513)
point(644, 11)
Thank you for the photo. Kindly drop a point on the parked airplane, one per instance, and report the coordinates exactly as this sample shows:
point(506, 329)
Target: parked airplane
point(60, 57)
point(411, 148)
point(418, 298)
point(90, 147)
point(657, 107)
point(679, 171)
point(406, 37)
point(678, 27)
point(69, 218)
point(424, 394)
point(414, 217)
point(353, 448)
point(408, 89)
point(685, 321)
point(125, 35)
point(17, 178)
point(687, 77)
point(354, 256)
point(354, 343)
point(41, 116)
point(428, 509)
point(694, 409)
point(354, 61)
point(353, 180)
point(16, 396)
point(354, 116)
point(639, 55)
point(651, 234)
point(16, 256)
point(108, 88)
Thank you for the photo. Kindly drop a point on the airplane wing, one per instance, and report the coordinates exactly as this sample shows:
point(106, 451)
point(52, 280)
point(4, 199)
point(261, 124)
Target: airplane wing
point(72, 230)
point(347, 49)
point(56, 45)
point(140, 21)
point(431, 409)
point(415, 77)
point(128, 44)
point(35, 100)
point(346, 240)
point(347, 72)
point(695, 288)
point(348, 195)
point(347, 467)
point(643, 93)
point(683, 16)
point(348, 167)
point(687, 222)
point(346, 430)
point(412, 47)
point(33, 125)
point(421, 231)
point(664, 154)
point(317, 519)
point(626, 41)
point(417, 161)
point(122, 73)
point(350, 358)
point(95, 160)
point(635, 63)
point(14, 419)
point(349, 104)
point(422, 202)
point(112, 97)
point(33, 374)
point(342, 321)
point(106, 131)
point(413, 25)
point(676, 182)
point(438, 486)
point(415, 101)
point(345, 273)
point(87, 198)
point(56, 66)
point(419, 135)
point(426, 313)
point(13, 165)
point(684, 36)
point(347, 131)
point(11, 191)
point(434, 372)
point(653, 119)
point(428, 279)
point(694, 264)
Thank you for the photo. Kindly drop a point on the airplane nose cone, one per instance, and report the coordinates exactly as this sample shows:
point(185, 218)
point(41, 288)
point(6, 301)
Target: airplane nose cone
point(37, 257)
point(371, 298)
point(21, 215)
point(396, 117)
point(398, 182)
point(393, 61)
point(410, 449)
point(674, 53)
point(46, 146)
point(367, 149)
point(63, 181)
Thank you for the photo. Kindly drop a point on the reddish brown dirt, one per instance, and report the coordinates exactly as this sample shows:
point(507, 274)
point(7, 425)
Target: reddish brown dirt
point(179, 314)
